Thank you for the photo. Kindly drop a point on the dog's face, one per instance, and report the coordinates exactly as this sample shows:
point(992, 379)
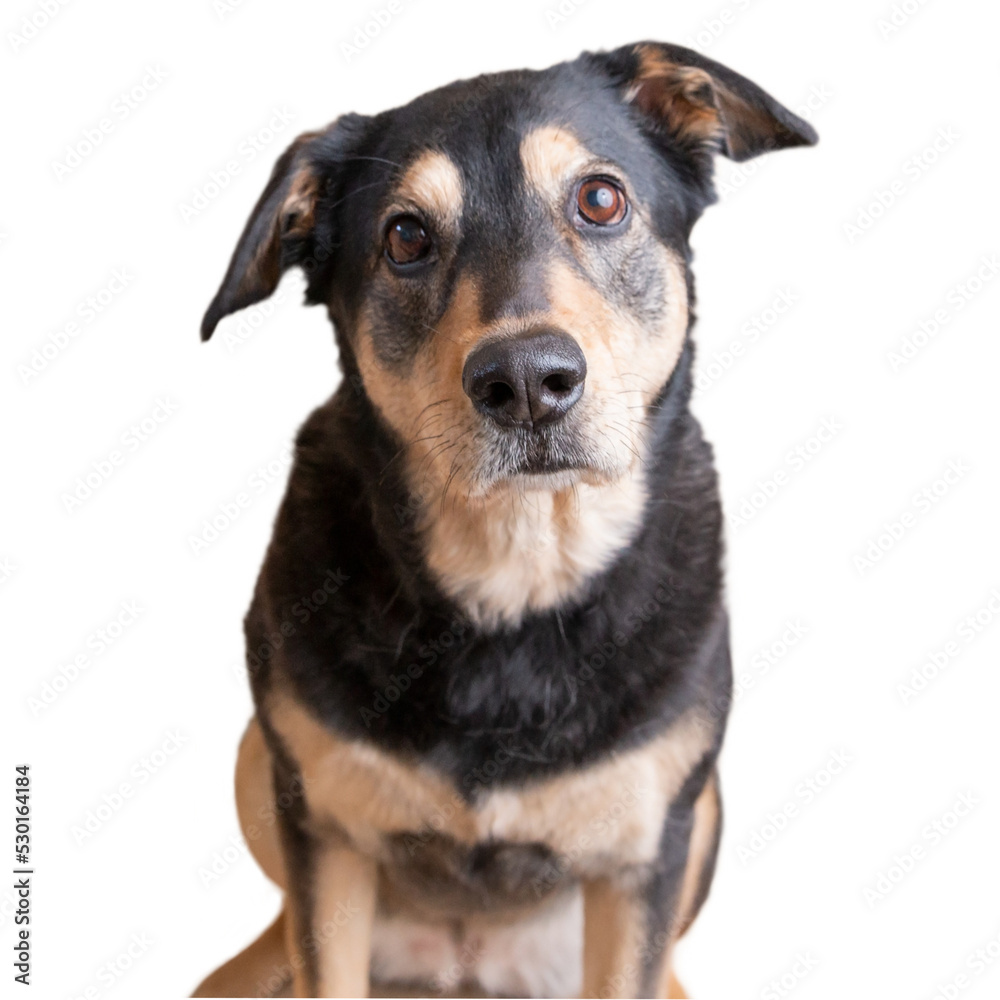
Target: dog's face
point(505, 262)
point(523, 300)
point(505, 258)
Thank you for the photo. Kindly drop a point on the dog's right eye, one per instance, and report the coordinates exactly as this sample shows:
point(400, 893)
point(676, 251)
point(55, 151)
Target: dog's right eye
point(600, 202)
point(406, 240)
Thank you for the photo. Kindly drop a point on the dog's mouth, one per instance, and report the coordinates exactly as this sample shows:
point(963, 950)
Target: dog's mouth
point(539, 465)
point(544, 457)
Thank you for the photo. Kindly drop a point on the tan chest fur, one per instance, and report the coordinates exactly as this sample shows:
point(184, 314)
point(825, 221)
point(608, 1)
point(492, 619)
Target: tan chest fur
point(614, 809)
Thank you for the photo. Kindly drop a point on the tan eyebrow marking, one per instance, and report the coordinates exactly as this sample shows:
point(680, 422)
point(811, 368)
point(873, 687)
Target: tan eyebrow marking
point(549, 155)
point(433, 182)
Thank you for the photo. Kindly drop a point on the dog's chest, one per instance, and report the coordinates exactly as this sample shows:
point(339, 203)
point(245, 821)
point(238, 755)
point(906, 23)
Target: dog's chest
point(502, 840)
point(530, 551)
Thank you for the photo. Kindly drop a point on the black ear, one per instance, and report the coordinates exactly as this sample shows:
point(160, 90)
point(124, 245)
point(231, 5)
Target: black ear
point(280, 231)
point(283, 212)
point(703, 104)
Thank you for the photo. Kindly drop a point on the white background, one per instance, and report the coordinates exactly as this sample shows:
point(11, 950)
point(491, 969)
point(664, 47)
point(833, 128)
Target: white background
point(880, 97)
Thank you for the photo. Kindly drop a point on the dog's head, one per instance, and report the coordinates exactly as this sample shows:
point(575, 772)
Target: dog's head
point(505, 259)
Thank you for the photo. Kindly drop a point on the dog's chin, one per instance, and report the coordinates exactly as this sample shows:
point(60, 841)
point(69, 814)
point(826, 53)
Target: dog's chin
point(551, 480)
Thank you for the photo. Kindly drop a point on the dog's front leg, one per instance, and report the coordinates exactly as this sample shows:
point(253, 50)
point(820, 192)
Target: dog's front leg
point(330, 930)
point(330, 908)
point(631, 920)
point(614, 932)
point(625, 941)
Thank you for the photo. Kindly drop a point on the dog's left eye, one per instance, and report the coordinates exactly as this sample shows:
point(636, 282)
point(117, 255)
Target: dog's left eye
point(601, 202)
point(406, 240)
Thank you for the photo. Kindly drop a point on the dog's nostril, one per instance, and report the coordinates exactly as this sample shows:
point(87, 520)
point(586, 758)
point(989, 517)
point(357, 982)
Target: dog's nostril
point(558, 383)
point(497, 394)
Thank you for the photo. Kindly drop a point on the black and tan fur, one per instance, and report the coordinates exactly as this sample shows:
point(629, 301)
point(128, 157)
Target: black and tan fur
point(485, 759)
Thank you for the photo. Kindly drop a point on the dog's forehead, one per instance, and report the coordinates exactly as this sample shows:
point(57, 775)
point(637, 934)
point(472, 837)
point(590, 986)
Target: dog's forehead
point(493, 130)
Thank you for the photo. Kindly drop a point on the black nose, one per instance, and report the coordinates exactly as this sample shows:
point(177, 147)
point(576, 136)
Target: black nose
point(528, 380)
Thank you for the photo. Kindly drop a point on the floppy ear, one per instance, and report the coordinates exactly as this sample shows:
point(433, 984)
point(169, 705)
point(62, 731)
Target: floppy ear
point(281, 230)
point(703, 104)
point(281, 221)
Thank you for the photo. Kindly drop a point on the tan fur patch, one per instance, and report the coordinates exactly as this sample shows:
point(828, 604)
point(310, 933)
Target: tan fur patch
point(344, 889)
point(425, 404)
point(550, 156)
point(296, 216)
point(366, 793)
point(531, 549)
point(706, 823)
point(433, 184)
point(614, 933)
point(621, 354)
point(255, 804)
point(698, 106)
point(611, 810)
point(683, 95)
point(673, 988)
point(263, 963)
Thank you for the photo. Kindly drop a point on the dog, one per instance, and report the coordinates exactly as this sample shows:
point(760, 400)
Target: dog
point(488, 646)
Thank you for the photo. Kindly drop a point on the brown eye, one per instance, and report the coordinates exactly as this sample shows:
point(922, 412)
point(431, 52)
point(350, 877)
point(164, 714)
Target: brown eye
point(406, 240)
point(601, 202)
